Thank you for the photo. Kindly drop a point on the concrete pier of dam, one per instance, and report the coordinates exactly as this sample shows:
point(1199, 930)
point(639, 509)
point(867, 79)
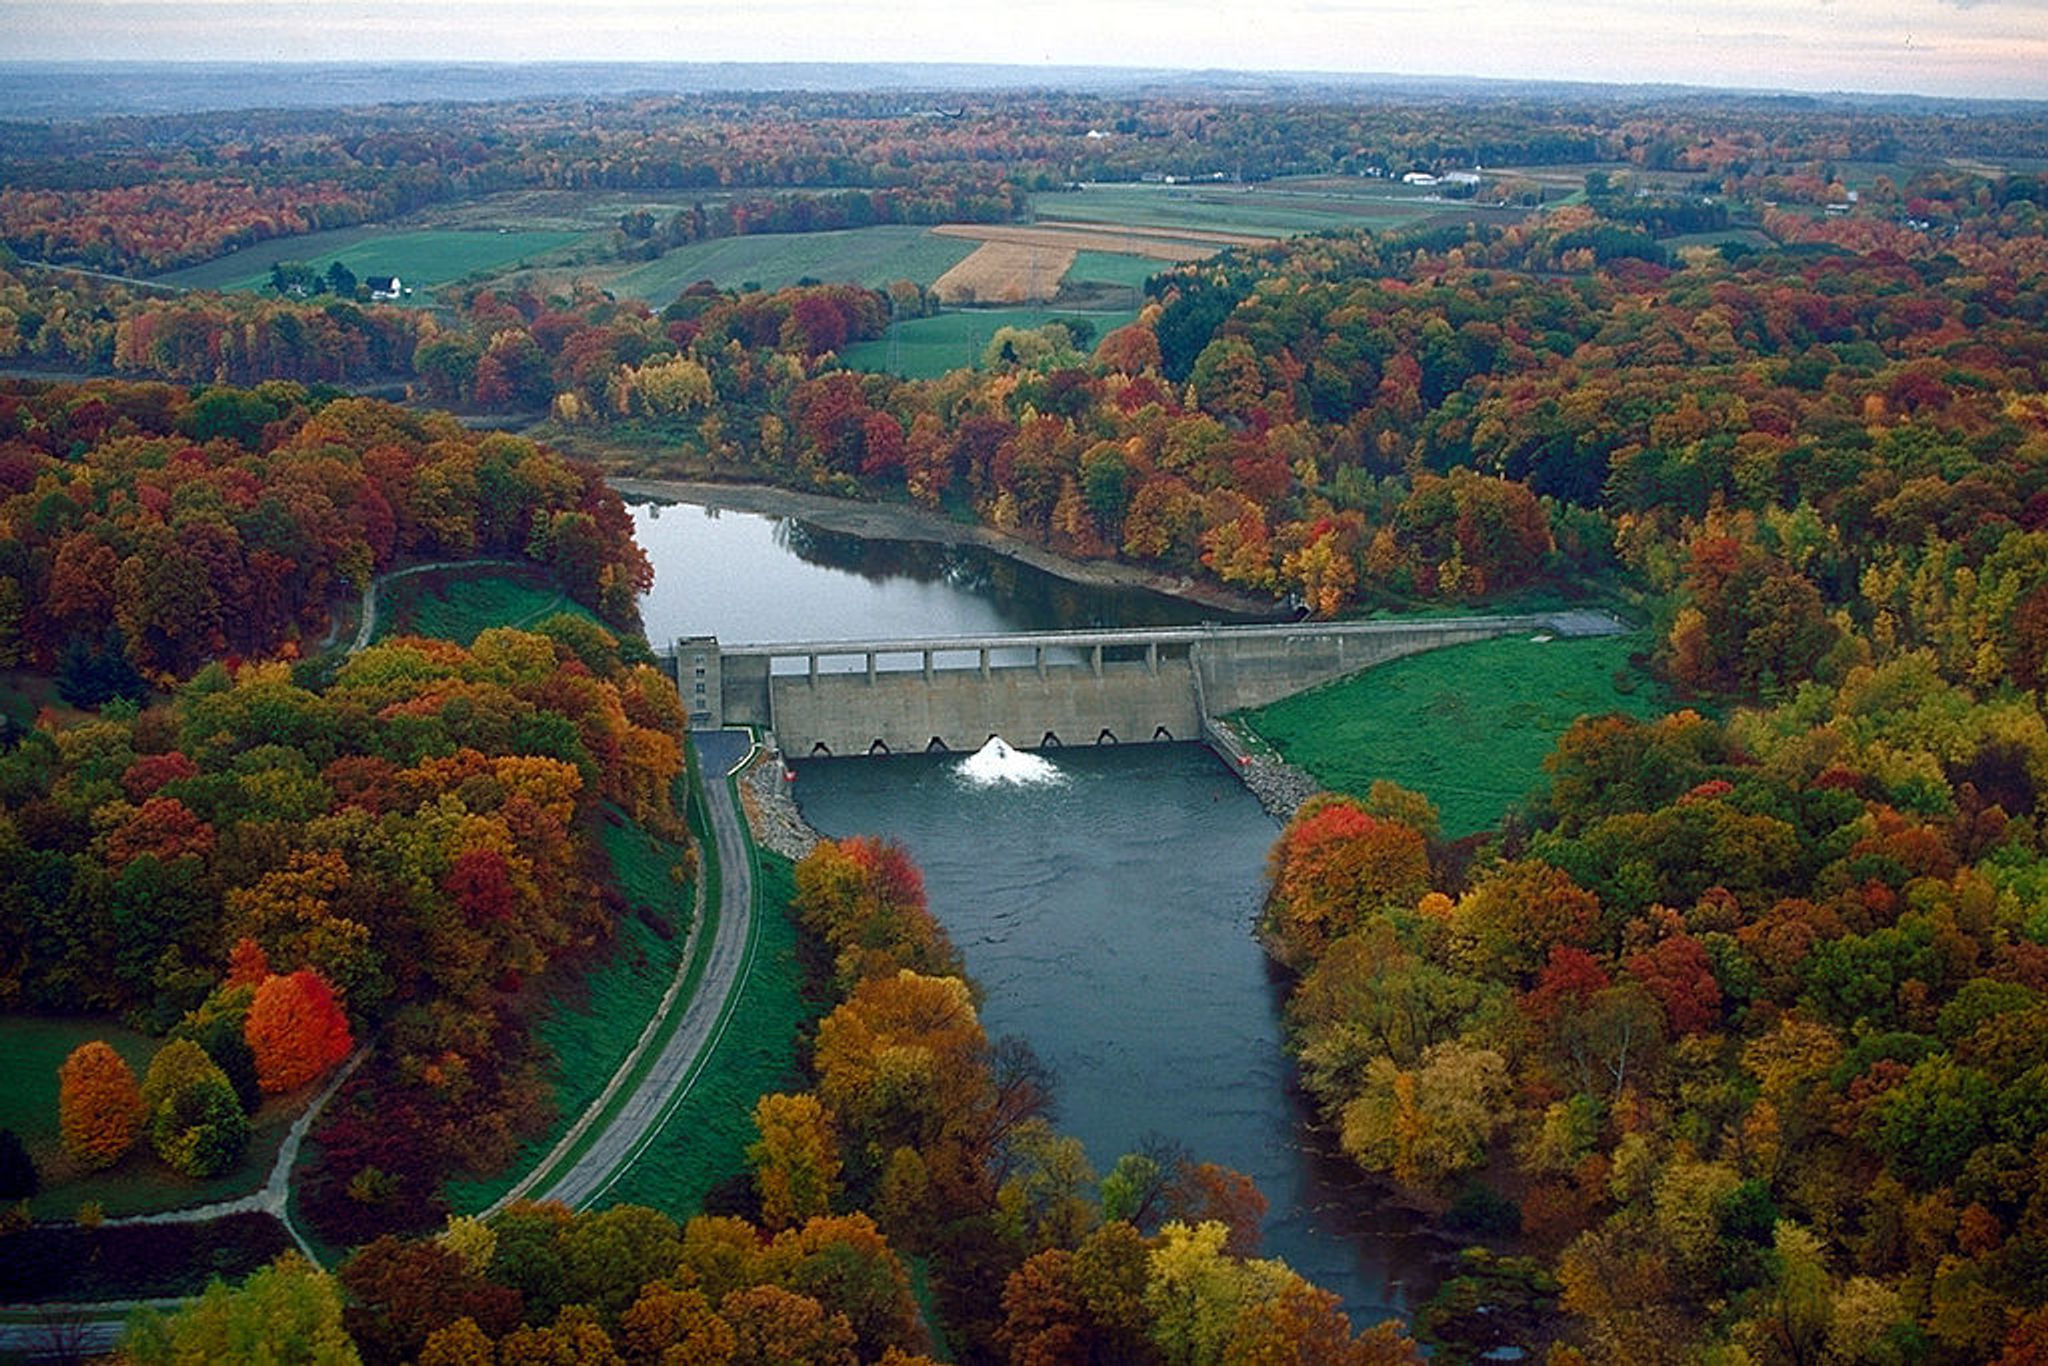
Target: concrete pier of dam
point(909, 695)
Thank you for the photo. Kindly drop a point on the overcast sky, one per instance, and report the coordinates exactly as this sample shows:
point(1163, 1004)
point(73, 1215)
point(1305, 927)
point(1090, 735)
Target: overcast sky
point(1948, 47)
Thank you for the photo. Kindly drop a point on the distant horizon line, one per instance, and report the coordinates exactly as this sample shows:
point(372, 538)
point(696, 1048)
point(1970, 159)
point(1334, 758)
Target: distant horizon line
point(1296, 74)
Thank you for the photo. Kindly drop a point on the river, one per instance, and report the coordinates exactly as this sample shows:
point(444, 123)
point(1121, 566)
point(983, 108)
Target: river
point(1106, 912)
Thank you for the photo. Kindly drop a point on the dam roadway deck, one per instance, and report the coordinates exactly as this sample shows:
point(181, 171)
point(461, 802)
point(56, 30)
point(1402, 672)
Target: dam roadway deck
point(908, 695)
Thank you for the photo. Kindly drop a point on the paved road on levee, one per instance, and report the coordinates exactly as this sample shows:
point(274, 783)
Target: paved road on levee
point(633, 1125)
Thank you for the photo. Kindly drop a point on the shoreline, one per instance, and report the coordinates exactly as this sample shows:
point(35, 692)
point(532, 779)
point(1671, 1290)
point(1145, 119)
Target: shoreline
point(895, 522)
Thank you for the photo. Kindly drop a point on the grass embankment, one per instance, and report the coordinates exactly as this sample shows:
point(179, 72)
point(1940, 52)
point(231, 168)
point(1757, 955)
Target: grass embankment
point(591, 1027)
point(704, 1140)
point(138, 1184)
point(1468, 727)
point(591, 1024)
point(459, 604)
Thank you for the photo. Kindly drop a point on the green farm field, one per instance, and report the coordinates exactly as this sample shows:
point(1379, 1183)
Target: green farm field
point(1468, 727)
point(1269, 210)
point(929, 347)
point(1110, 268)
point(873, 257)
point(423, 258)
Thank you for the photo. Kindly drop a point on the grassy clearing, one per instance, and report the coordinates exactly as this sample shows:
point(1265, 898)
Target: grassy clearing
point(592, 1024)
point(24, 695)
point(1748, 237)
point(928, 347)
point(864, 256)
point(704, 1142)
point(423, 258)
point(458, 604)
point(248, 262)
point(34, 1048)
point(1469, 727)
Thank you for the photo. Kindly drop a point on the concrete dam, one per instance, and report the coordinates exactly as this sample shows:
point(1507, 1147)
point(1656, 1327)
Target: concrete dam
point(896, 696)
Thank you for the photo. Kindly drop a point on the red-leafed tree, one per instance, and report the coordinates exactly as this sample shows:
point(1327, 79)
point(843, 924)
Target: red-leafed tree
point(482, 886)
point(1334, 865)
point(296, 1030)
point(1679, 974)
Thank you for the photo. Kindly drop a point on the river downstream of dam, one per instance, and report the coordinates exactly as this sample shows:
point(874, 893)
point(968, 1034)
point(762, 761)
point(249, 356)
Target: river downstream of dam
point(1104, 902)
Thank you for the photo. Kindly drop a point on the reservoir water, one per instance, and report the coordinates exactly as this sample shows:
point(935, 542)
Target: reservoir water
point(751, 579)
point(1106, 910)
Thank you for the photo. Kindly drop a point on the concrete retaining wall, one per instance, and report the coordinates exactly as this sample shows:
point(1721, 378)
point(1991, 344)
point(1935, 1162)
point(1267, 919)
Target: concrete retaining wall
point(1256, 671)
point(851, 714)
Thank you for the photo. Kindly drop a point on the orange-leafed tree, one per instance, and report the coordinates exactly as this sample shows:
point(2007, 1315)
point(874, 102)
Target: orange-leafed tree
point(248, 964)
point(296, 1029)
point(99, 1105)
point(1334, 865)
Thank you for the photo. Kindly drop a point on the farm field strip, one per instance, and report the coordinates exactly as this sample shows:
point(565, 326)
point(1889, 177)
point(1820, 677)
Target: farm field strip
point(872, 257)
point(925, 348)
point(1006, 272)
point(1238, 213)
point(423, 258)
point(1164, 244)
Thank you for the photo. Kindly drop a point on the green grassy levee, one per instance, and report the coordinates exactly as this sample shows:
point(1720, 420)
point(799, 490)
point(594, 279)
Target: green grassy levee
point(459, 604)
point(704, 1140)
point(590, 1029)
point(1468, 727)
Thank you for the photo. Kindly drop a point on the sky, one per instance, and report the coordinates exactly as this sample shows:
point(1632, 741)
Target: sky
point(1989, 48)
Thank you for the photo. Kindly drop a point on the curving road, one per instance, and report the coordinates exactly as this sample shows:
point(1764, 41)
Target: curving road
point(623, 1132)
point(366, 628)
point(624, 1128)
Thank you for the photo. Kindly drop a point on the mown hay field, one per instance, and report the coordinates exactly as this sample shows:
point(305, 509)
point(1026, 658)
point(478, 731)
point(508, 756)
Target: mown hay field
point(1006, 273)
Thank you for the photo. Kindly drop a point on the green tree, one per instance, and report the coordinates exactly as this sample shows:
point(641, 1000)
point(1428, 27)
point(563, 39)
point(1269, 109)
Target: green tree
point(196, 1122)
point(287, 1314)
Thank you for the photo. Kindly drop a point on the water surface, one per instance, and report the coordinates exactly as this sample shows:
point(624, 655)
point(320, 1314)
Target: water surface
point(1108, 918)
point(1106, 913)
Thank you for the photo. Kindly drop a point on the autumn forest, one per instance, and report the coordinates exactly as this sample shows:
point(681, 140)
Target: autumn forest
point(1729, 1041)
